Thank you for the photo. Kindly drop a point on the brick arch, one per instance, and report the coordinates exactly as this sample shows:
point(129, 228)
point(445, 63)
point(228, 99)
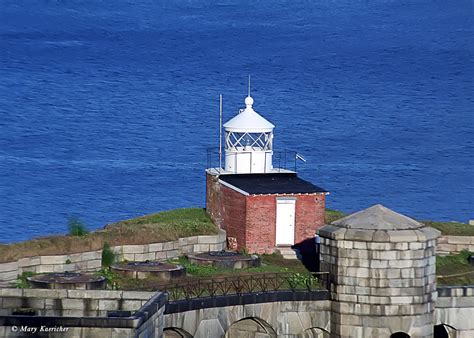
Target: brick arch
point(175, 332)
point(315, 332)
point(253, 326)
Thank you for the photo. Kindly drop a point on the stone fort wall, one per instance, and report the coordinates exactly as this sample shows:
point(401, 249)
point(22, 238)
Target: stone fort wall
point(91, 260)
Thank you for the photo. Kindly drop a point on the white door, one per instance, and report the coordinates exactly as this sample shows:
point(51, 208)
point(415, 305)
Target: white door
point(285, 222)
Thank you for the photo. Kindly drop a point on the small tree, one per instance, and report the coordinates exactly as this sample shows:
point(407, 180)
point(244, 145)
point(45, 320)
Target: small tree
point(108, 256)
point(76, 227)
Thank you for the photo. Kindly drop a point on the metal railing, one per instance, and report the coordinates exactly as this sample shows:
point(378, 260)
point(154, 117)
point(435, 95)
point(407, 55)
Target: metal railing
point(245, 284)
point(283, 159)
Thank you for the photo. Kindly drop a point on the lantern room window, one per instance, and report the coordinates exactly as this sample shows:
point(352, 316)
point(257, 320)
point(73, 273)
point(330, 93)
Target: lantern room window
point(248, 141)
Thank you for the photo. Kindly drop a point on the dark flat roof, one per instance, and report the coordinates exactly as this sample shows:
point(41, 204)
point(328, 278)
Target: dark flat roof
point(275, 183)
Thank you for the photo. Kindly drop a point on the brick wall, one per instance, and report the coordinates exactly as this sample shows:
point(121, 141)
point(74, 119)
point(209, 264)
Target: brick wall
point(251, 219)
point(213, 198)
point(233, 214)
point(309, 215)
point(261, 219)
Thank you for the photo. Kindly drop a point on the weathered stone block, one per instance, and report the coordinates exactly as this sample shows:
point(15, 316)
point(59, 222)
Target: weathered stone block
point(95, 264)
point(11, 292)
point(72, 304)
point(59, 259)
point(459, 239)
point(11, 302)
point(201, 247)
point(378, 264)
point(160, 255)
point(172, 254)
point(91, 255)
point(407, 236)
point(400, 263)
point(208, 239)
point(11, 266)
point(359, 235)
point(416, 245)
point(381, 236)
point(108, 304)
point(142, 295)
point(43, 268)
point(45, 293)
point(192, 240)
point(133, 249)
point(154, 247)
point(168, 246)
point(138, 257)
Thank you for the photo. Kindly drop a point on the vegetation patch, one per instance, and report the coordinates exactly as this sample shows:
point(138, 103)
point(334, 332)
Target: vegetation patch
point(22, 280)
point(455, 269)
point(452, 228)
point(333, 215)
point(273, 263)
point(161, 227)
point(76, 227)
point(108, 256)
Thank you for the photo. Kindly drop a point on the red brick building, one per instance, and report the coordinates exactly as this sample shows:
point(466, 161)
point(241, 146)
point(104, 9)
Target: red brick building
point(260, 206)
point(264, 211)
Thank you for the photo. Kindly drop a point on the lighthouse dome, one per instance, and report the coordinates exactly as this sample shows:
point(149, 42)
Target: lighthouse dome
point(248, 121)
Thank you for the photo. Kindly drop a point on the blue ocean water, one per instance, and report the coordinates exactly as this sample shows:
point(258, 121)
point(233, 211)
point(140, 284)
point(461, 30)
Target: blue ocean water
point(107, 107)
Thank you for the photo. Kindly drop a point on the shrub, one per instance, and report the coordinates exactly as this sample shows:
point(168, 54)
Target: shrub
point(299, 280)
point(22, 281)
point(108, 256)
point(111, 277)
point(76, 227)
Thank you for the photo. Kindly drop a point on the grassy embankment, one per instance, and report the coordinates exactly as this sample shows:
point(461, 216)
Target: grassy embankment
point(160, 227)
point(454, 270)
point(170, 225)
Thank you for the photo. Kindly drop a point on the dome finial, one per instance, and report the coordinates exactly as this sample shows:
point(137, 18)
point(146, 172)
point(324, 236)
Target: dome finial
point(248, 101)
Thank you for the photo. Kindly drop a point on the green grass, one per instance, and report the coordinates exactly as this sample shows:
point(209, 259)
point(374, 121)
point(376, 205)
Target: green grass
point(299, 276)
point(333, 215)
point(173, 224)
point(269, 263)
point(452, 228)
point(160, 227)
point(454, 269)
point(76, 227)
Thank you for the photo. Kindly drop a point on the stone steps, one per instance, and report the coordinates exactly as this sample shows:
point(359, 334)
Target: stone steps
point(286, 252)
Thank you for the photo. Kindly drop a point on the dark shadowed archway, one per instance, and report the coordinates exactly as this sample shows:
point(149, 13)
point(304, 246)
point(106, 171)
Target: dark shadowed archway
point(400, 335)
point(250, 327)
point(444, 331)
point(315, 332)
point(174, 332)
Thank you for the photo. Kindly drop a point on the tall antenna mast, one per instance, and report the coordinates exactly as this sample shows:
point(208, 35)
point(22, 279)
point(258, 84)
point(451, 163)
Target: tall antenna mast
point(249, 85)
point(220, 132)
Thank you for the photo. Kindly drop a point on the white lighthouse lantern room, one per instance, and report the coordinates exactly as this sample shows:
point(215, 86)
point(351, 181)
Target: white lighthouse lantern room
point(248, 142)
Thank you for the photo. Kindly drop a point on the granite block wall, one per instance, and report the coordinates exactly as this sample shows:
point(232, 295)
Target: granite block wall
point(91, 260)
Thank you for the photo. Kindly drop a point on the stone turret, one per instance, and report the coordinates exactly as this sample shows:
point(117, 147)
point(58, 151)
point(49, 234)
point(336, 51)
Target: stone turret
point(382, 265)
